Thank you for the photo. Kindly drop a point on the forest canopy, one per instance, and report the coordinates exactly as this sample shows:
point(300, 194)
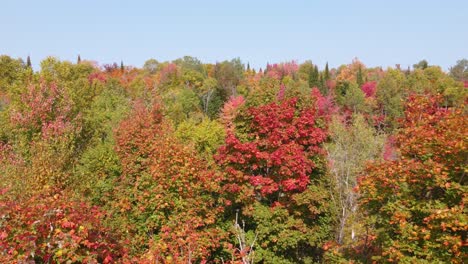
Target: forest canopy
point(190, 162)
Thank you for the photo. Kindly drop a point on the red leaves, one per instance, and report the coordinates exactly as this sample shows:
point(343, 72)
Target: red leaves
point(389, 149)
point(369, 89)
point(97, 77)
point(230, 111)
point(133, 134)
point(3, 235)
point(276, 158)
point(54, 229)
point(267, 185)
point(279, 71)
point(46, 109)
point(168, 74)
point(325, 104)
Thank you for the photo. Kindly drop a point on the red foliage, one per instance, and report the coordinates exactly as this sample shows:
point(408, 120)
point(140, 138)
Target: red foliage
point(168, 73)
point(133, 134)
point(281, 91)
point(8, 157)
point(389, 149)
point(97, 76)
point(369, 89)
point(279, 71)
point(53, 229)
point(325, 105)
point(46, 109)
point(276, 158)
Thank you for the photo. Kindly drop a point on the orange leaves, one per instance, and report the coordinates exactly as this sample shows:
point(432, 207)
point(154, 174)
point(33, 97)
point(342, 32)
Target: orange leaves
point(230, 110)
point(171, 191)
point(420, 198)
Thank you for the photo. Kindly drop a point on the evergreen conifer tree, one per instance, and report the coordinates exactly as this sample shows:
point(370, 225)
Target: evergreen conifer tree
point(327, 73)
point(28, 62)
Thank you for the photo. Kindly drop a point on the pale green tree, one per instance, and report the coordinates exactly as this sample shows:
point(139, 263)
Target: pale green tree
point(350, 147)
point(460, 70)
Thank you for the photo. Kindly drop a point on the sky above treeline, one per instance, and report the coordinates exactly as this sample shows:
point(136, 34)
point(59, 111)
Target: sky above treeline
point(378, 32)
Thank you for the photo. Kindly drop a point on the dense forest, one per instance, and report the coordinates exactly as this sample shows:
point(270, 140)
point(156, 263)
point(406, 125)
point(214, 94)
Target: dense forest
point(191, 162)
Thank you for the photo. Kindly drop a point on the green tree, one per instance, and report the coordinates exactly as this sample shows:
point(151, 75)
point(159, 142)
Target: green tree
point(99, 165)
point(326, 75)
point(354, 99)
point(188, 63)
point(314, 77)
point(421, 65)
point(229, 74)
point(350, 147)
point(460, 70)
point(206, 136)
point(11, 72)
point(434, 81)
point(181, 104)
point(305, 70)
point(28, 62)
point(391, 94)
point(359, 77)
point(151, 66)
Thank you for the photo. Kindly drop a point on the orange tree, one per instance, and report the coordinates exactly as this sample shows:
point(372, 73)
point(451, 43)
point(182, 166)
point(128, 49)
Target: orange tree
point(166, 199)
point(417, 202)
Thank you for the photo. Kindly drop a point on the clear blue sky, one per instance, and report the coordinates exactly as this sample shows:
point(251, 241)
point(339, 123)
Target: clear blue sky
point(378, 32)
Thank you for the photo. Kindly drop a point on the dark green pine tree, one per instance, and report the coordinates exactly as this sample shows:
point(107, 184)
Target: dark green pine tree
point(313, 76)
point(326, 73)
point(316, 75)
point(322, 85)
point(78, 61)
point(28, 62)
point(122, 68)
point(248, 66)
point(359, 77)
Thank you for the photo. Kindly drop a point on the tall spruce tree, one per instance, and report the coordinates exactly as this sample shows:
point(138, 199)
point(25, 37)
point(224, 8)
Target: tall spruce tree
point(314, 77)
point(28, 62)
point(326, 73)
point(322, 85)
